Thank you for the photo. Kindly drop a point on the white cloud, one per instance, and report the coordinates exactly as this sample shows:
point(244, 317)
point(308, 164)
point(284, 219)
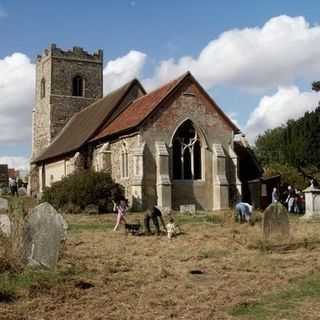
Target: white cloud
point(276, 54)
point(17, 78)
point(272, 111)
point(15, 162)
point(282, 50)
point(123, 69)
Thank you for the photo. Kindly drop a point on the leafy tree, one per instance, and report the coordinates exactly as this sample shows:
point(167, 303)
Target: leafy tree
point(296, 144)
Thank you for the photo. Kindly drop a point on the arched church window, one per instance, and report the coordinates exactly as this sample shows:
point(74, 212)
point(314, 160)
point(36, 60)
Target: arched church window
point(124, 162)
point(186, 153)
point(43, 88)
point(78, 84)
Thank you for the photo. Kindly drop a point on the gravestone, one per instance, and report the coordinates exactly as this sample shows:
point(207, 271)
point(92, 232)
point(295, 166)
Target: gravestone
point(22, 191)
point(276, 221)
point(4, 205)
point(44, 234)
point(91, 209)
point(5, 225)
point(312, 202)
point(188, 208)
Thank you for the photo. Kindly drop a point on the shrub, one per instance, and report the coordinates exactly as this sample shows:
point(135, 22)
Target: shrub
point(81, 189)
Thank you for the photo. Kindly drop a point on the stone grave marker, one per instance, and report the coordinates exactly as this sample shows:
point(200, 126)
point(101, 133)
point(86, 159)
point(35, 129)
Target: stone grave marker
point(4, 205)
point(312, 203)
point(22, 191)
point(91, 209)
point(276, 221)
point(188, 208)
point(44, 234)
point(5, 225)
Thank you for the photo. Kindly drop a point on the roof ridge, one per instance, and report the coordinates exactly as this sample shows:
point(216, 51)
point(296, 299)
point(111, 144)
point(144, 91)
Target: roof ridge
point(155, 90)
point(173, 83)
point(166, 84)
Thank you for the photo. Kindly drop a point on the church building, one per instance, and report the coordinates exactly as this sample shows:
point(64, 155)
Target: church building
point(172, 146)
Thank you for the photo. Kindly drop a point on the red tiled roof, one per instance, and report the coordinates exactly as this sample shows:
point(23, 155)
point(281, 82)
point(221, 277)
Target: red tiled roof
point(138, 110)
point(142, 107)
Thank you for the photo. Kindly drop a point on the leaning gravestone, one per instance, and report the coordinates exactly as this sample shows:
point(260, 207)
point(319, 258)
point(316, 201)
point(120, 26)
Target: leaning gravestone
point(276, 221)
point(44, 234)
point(5, 225)
point(4, 205)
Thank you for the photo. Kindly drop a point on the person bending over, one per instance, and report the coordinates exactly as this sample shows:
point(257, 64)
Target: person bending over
point(153, 214)
point(243, 212)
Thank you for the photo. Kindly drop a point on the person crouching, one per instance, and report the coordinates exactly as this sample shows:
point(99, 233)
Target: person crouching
point(153, 214)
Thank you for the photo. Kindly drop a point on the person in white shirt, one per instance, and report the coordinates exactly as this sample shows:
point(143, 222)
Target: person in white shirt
point(243, 211)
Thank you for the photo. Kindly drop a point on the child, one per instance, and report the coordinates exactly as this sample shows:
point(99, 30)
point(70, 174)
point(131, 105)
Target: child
point(172, 229)
point(121, 208)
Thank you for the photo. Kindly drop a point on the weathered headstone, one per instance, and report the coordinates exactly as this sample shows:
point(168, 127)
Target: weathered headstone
point(5, 225)
point(44, 233)
point(22, 191)
point(188, 208)
point(276, 221)
point(91, 209)
point(4, 205)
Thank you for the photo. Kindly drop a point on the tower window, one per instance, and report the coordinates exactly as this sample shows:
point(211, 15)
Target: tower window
point(78, 86)
point(186, 153)
point(43, 88)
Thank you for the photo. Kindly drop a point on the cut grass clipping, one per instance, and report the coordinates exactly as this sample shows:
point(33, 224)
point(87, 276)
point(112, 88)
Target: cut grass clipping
point(280, 304)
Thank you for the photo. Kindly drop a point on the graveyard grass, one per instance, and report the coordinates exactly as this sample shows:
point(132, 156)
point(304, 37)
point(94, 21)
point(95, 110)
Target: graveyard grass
point(110, 275)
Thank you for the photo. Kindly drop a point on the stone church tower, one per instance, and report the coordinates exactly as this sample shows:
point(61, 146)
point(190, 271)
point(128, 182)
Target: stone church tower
point(66, 82)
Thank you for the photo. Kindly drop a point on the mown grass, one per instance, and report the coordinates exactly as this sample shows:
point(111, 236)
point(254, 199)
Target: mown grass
point(199, 219)
point(108, 222)
point(79, 227)
point(280, 304)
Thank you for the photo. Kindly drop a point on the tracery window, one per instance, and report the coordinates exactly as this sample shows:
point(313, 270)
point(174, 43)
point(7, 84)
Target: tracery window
point(78, 84)
point(186, 153)
point(124, 162)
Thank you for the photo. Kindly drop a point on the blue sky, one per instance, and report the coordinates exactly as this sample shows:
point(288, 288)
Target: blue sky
point(255, 58)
